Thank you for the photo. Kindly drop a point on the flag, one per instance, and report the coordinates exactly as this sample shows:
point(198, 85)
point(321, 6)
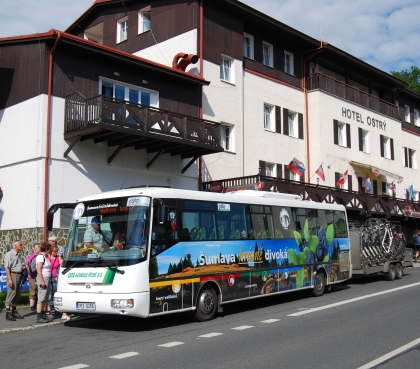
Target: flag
point(343, 179)
point(320, 172)
point(296, 166)
point(411, 191)
point(368, 184)
point(391, 186)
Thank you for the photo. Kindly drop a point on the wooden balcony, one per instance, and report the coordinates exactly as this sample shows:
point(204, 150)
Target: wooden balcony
point(360, 204)
point(318, 81)
point(124, 124)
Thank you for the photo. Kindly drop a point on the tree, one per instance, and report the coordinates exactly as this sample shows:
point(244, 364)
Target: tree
point(411, 77)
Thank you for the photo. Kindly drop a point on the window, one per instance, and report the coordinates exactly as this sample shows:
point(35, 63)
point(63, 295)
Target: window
point(226, 69)
point(227, 138)
point(267, 54)
point(293, 176)
point(410, 158)
point(387, 147)
point(122, 30)
point(270, 170)
point(407, 113)
point(268, 117)
point(288, 63)
point(397, 103)
point(133, 94)
point(248, 46)
point(144, 21)
point(342, 134)
point(365, 141)
point(293, 124)
point(416, 118)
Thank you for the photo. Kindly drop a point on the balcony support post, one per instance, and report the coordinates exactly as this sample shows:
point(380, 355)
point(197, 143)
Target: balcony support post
point(66, 153)
point(189, 164)
point(149, 164)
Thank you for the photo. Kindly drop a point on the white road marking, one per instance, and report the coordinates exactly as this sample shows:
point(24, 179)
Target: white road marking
point(171, 344)
point(240, 328)
point(270, 321)
point(123, 356)
point(390, 355)
point(209, 335)
point(75, 366)
point(353, 300)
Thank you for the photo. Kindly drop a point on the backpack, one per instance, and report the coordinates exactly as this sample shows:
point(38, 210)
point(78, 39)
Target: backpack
point(32, 267)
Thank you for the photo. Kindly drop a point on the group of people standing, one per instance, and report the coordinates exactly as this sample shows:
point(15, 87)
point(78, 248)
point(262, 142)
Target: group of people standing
point(49, 258)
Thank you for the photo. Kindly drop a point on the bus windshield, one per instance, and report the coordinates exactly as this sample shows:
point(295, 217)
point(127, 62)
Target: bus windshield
point(115, 231)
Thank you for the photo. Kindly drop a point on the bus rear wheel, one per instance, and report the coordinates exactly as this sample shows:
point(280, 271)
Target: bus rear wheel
point(319, 285)
point(206, 305)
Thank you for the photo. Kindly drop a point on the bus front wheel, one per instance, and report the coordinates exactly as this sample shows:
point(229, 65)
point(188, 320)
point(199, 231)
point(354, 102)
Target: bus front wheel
point(206, 305)
point(319, 285)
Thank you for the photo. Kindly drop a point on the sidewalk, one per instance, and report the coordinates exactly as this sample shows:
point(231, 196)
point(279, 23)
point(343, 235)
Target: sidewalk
point(30, 320)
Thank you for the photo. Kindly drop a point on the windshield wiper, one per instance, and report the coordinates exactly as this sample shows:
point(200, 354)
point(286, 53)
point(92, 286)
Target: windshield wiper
point(95, 263)
point(71, 267)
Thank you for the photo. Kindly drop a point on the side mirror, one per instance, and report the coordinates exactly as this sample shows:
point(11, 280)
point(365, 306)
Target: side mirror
point(53, 209)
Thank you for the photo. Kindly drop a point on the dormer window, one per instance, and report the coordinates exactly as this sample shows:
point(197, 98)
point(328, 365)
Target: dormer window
point(122, 29)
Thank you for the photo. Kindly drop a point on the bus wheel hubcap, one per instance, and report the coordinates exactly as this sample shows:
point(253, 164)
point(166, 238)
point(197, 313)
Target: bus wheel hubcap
point(206, 302)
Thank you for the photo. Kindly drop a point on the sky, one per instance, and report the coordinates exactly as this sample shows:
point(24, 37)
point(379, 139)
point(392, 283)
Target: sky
point(383, 33)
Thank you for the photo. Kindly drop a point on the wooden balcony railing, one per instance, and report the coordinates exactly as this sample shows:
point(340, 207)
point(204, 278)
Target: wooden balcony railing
point(364, 204)
point(318, 81)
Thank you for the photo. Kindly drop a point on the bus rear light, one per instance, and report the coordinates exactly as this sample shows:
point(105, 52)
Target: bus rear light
point(122, 303)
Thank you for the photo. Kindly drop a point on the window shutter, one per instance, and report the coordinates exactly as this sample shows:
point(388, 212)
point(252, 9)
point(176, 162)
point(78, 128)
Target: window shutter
point(302, 178)
point(392, 148)
point(348, 135)
point(278, 119)
point(285, 121)
point(375, 186)
point(382, 145)
point(286, 172)
point(300, 125)
point(405, 157)
point(360, 139)
point(279, 171)
point(410, 164)
point(262, 166)
point(383, 187)
point(349, 183)
point(337, 177)
point(360, 182)
point(335, 132)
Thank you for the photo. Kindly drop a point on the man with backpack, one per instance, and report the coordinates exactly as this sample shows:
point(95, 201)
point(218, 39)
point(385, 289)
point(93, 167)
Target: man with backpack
point(31, 267)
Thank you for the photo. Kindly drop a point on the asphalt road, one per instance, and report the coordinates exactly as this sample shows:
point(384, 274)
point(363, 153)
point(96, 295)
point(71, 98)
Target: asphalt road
point(365, 323)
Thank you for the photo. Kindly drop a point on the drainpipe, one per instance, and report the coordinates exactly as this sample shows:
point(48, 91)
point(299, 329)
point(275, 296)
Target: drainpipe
point(319, 50)
point(48, 135)
point(200, 159)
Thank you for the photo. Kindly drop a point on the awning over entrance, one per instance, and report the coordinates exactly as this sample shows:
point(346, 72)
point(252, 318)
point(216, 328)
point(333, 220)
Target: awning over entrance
point(377, 171)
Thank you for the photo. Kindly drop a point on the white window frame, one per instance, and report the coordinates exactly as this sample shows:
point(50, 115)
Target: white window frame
point(293, 176)
point(407, 113)
point(249, 45)
point(289, 63)
point(144, 21)
point(342, 134)
point(365, 141)
point(270, 169)
point(267, 59)
point(227, 137)
point(227, 69)
point(387, 147)
point(411, 158)
point(293, 124)
point(416, 118)
point(122, 29)
point(344, 186)
point(268, 117)
point(154, 95)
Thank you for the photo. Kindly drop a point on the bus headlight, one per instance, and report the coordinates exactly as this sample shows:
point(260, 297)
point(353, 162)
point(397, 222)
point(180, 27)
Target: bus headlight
point(58, 301)
point(122, 303)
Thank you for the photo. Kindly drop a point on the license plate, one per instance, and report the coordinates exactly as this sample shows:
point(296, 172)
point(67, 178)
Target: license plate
point(85, 306)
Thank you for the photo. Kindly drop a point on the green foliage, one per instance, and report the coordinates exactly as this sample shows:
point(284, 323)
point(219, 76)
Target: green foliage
point(411, 77)
point(24, 299)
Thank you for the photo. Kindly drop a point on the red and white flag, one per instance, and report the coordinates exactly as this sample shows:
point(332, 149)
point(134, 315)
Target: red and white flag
point(320, 172)
point(343, 179)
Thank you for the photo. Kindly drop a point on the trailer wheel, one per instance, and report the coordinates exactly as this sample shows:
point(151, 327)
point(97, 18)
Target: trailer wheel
point(398, 271)
point(319, 285)
point(206, 305)
point(391, 273)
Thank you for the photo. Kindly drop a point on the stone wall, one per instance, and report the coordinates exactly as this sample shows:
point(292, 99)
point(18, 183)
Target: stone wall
point(29, 237)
